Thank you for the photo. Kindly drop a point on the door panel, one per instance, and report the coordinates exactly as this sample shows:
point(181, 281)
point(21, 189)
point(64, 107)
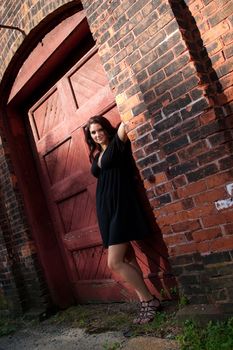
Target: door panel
point(87, 80)
point(52, 115)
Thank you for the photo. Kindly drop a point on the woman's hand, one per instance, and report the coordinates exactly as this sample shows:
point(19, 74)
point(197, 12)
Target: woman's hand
point(122, 133)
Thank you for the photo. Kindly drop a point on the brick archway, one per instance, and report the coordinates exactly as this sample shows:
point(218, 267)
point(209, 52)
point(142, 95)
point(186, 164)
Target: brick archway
point(43, 243)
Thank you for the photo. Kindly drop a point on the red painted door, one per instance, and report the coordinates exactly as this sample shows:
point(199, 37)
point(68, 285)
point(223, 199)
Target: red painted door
point(57, 122)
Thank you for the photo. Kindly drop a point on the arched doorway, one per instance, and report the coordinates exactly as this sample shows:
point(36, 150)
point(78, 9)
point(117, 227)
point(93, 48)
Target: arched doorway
point(60, 85)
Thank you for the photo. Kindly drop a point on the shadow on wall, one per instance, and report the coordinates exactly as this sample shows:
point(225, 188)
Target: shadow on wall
point(209, 78)
point(152, 252)
point(155, 248)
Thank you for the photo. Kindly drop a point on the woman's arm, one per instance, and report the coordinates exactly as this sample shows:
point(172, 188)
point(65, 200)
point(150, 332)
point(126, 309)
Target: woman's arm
point(122, 133)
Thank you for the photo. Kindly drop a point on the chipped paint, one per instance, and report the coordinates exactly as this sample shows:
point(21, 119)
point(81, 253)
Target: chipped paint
point(229, 188)
point(224, 203)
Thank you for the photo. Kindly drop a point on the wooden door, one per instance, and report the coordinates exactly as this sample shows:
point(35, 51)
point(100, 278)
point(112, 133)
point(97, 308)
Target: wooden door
point(57, 122)
point(56, 125)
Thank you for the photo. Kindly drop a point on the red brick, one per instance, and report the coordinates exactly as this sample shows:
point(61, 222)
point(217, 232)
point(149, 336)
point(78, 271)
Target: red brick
point(203, 26)
point(214, 47)
point(206, 235)
point(160, 178)
point(222, 244)
point(166, 230)
point(183, 249)
point(209, 9)
point(187, 203)
point(203, 247)
point(136, 121)
point(219, 179)
point(224, 12)
point(147, 184)
point(228, 229)
point(190, 190)
point(211, 196)
point(215, 32)
point(150, 194)
point(193, 150)
point(190, 226)
point(217, 59)
point(132, 135)
point(173, 208)
point(174, 239)
point(225, 68)
point(226, 96)
point(154, 202)
point(228, 37)
point(220, 218)
point(139, 154)
point(165, 19)
point(207, 117)
point(201, 211)
point(165, 188)
point(196, 6)
point(171, 219)
point(228, 51)
point(179, 181)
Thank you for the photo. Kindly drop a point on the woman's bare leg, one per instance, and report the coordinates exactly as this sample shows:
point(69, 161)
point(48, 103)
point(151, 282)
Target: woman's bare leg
point(130, 258)
point(118, 263)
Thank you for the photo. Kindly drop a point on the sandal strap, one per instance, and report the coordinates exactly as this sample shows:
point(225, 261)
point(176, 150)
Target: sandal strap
point(148, 311)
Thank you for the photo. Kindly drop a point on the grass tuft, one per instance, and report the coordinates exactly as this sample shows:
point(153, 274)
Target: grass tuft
point(215, 336)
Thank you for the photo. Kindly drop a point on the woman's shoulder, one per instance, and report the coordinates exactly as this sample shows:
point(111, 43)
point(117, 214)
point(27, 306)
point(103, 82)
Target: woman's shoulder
point(117, 145)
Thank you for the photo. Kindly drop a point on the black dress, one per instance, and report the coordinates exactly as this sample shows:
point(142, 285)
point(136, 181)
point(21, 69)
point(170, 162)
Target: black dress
point(120, 215)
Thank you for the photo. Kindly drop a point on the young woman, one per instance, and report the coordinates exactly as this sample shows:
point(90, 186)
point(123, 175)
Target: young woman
point(120, 217)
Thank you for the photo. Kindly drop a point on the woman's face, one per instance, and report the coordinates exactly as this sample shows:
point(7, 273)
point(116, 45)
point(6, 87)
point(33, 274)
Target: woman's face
point(98, 134)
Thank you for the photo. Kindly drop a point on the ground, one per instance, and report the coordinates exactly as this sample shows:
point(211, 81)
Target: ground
point(99, 327)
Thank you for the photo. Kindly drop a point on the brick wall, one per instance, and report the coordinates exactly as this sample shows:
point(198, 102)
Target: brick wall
point(169, 64)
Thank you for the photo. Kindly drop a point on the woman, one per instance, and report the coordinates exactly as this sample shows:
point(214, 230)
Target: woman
point(120, 217)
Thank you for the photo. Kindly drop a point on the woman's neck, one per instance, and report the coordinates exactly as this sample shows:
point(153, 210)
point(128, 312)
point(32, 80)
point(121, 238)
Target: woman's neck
point(103, 147)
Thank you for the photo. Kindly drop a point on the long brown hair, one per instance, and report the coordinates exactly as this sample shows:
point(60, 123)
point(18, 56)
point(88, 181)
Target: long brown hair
point(107, 127)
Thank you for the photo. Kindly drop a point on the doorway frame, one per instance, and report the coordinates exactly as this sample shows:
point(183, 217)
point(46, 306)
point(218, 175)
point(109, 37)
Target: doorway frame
point(22, 93)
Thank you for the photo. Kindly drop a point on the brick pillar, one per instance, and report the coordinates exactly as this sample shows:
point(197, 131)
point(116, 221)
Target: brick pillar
point(169, 64)
point(22, 283)
point(9, 299)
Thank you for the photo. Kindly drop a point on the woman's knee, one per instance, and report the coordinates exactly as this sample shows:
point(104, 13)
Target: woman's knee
point(116, 256)
point(114, 264)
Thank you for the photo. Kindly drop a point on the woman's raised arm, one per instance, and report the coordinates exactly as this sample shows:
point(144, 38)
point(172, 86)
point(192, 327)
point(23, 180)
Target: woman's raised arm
point(122, 133)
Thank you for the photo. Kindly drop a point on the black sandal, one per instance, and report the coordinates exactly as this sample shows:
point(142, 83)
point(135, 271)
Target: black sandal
point(148, 311)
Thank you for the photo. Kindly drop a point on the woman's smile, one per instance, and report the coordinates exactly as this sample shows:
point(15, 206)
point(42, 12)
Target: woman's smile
point(99, 135)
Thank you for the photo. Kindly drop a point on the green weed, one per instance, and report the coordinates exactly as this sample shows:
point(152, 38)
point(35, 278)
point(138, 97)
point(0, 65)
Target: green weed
point(174, 291)
point(111, 346)
point(7, 326)
point(183, 301)
point(215, 336)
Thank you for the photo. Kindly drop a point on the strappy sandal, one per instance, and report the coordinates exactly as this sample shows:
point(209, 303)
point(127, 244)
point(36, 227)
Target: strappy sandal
point(148, 311)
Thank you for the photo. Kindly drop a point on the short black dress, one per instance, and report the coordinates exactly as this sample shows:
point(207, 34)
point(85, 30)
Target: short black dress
point(120, 215)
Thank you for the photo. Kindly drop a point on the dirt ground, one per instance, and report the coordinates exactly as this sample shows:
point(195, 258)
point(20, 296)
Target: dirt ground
point(60, 337)
point(97, 327)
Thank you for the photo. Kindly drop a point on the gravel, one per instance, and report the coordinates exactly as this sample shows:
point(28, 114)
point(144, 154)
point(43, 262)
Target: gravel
point(56, 337)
